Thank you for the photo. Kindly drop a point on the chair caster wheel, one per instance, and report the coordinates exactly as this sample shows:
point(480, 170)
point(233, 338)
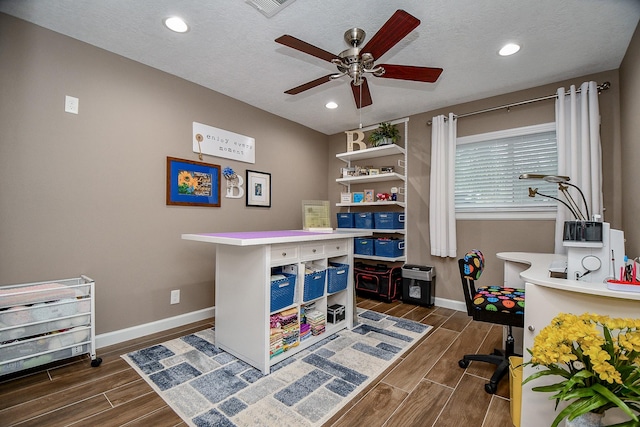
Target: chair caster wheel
point(96, 362)
point(490, 388)
point(463, 363)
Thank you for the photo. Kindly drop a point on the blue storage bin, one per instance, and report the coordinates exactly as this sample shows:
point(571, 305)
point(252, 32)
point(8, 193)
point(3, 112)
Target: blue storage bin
point(363, 246)
point(389, 220)
point(346, 220)
point(283, 291)
point(391, 248)
point(337, 277)
point(314, 285)
point(364, 220)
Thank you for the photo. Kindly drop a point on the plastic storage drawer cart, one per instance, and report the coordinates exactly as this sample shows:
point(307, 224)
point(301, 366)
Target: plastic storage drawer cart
point(391, 248)
point(389, 220)
point(419, 284)
point(45, 322)
point(346, 220)
point(364, 220)
point(283, 290)
point(314, 285)
point(337, 277)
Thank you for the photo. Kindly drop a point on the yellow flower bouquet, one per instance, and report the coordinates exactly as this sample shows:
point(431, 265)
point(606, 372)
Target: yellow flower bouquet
point(597, 357)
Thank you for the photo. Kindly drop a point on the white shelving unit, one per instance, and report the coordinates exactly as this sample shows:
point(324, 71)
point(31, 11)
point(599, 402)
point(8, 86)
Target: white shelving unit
point(244, 265)
point(391, 151)
point(44, 322)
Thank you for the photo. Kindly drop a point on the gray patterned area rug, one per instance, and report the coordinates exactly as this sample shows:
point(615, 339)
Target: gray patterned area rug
point(208, 387)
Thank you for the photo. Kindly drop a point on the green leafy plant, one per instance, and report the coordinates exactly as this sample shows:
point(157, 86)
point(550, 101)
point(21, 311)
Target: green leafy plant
point(597, 358)
point(385, 131)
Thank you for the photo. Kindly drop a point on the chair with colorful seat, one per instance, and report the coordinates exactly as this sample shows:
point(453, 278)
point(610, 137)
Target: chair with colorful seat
point(493, 304)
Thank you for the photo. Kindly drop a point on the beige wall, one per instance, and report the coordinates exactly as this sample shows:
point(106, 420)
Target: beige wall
point(492, 236)
point(85, 194)
point(630, 126)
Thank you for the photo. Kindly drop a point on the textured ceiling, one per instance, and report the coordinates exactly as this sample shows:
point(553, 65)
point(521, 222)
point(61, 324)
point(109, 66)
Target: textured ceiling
point(230, 47)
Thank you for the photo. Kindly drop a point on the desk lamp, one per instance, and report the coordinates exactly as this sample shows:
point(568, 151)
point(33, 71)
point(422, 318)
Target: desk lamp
point(563, 183)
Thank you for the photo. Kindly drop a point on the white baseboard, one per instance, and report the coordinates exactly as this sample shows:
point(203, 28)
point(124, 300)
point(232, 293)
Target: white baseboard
point(452, 304)
point(116, 337)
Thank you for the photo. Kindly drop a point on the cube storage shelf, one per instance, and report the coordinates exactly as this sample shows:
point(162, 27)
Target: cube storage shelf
point(43, 322)
point(245, 305)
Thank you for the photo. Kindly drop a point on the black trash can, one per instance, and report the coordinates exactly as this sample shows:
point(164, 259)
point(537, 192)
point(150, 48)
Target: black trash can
point(419, 284)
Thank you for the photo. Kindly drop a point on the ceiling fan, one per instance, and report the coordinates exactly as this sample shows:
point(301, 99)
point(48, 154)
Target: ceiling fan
point(357, 61)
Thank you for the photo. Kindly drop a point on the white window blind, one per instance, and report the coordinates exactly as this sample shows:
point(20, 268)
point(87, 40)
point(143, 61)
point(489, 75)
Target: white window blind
point(488, 167)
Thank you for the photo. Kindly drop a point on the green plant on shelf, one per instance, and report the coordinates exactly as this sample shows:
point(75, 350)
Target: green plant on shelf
point(385, 134)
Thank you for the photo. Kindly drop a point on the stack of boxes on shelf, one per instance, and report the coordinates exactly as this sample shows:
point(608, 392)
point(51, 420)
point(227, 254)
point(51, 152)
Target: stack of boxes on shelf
point(313, 321)
point(316, 320)
point(384, 247)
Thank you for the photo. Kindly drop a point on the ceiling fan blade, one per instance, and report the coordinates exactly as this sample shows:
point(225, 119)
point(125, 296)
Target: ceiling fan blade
point(317, 82)
point(410, 72)
point(305, 47)
point(363, 89)
point(395, 29)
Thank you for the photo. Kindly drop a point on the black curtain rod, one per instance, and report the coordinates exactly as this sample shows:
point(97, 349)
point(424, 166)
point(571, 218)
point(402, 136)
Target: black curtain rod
point(603, 86)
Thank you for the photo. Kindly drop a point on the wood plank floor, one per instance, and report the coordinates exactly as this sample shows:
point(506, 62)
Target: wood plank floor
point(426, 388)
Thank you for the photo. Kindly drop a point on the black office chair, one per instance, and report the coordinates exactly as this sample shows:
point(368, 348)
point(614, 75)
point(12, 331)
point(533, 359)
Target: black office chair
point(493, 304)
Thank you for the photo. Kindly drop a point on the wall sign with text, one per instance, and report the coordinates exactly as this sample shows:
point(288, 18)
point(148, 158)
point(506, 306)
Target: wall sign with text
point(222, 143)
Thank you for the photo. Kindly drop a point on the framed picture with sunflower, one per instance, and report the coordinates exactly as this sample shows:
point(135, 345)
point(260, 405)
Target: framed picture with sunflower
point(192, 183)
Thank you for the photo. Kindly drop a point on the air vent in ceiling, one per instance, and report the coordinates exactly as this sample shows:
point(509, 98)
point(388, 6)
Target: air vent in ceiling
point(269, 7)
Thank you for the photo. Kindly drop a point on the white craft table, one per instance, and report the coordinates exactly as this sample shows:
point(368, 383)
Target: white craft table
point(244, 262)
point(546, 297)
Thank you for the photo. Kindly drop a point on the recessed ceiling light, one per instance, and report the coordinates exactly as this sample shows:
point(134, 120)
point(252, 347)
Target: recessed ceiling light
point(176, 24)
point(331, 105)
point(509, 49)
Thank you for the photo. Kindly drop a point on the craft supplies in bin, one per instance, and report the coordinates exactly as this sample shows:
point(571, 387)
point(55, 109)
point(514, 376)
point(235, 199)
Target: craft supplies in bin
point(346, 220)
point(391, 248)
point(363, 220)
point(363, 246)
point(314, 279)
point(337, 277)
point(388, 220)
point(283, 286)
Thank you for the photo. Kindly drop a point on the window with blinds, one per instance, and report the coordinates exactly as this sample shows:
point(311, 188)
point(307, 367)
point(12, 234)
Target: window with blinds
point(488, 167)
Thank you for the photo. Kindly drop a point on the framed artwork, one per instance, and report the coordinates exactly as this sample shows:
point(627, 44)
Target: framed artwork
point(358, 197)
point(368, 196)
point(192, 183)
point(258, 185)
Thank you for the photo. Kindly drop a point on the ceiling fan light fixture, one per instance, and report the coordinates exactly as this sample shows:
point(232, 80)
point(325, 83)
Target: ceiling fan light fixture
point(176, 24)
point(509, 49)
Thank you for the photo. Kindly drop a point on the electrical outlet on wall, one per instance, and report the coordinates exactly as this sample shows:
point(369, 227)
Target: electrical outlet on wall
point(175, 296)
point(71, 104)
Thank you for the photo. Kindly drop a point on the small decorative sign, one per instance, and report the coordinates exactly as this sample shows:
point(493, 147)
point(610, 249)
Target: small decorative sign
point(222, 143)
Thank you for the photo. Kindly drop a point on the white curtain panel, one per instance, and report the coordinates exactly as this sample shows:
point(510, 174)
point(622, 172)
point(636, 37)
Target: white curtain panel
point(579, 150)
point(442, 209)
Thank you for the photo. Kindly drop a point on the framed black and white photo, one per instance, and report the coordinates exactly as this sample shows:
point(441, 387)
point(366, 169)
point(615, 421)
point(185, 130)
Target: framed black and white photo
point(258, 185)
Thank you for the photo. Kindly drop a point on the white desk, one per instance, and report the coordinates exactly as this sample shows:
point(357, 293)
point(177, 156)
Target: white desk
point(545, 298)
point(242, 285)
